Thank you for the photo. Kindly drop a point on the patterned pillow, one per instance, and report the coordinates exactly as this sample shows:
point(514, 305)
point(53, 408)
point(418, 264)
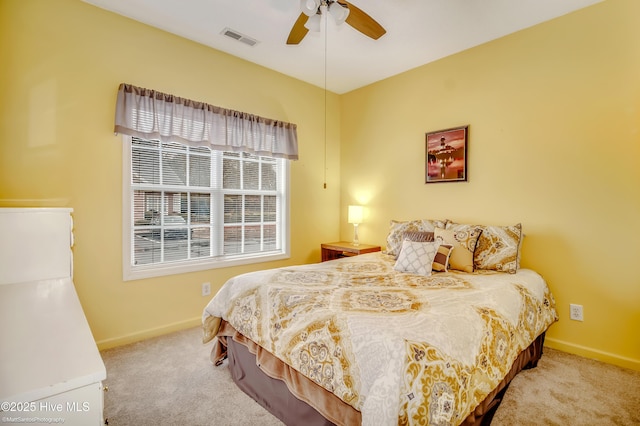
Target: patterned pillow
point(441, 261)
point(417, 236)
point(416, 257)
point(498, 248)
point(397, 231)
point(464, 242)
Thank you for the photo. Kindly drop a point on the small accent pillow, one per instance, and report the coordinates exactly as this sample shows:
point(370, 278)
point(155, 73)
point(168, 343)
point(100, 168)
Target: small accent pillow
point(441, 261)
point(417, 236)
point(464, 244)
point(416, 257)
point(397, 231)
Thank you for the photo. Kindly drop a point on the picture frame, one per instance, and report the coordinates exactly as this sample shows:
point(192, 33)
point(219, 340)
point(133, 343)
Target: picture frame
point(446, 155)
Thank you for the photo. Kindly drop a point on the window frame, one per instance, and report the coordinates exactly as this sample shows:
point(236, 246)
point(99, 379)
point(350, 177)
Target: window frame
point(135, 272)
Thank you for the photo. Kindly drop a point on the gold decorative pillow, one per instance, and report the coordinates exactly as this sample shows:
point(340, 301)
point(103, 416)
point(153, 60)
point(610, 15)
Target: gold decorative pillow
point(397, 231)
point(498, 248)
point(464, 242)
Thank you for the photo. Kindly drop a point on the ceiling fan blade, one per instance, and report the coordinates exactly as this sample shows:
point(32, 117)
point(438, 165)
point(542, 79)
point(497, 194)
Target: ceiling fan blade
point(299, 30)
point(363, 22)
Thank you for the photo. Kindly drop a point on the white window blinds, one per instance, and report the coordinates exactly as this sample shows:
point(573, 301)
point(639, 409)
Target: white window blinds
point(191, 208)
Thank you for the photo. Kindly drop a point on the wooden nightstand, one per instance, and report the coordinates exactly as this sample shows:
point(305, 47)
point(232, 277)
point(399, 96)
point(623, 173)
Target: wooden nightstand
point(340, 249)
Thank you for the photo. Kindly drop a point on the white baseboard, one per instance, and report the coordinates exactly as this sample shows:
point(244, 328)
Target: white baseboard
point(146, 334)
point(609, 358)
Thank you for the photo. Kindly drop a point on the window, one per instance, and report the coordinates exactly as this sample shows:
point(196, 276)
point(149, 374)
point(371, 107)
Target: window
point(193, 208)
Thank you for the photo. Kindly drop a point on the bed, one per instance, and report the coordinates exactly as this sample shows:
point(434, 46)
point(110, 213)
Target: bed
point(412, 335)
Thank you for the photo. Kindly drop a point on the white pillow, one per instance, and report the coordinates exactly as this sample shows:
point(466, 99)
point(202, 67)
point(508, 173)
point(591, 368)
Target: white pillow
point(416, 257)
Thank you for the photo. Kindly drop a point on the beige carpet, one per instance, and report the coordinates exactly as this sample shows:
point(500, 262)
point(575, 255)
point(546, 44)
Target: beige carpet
point(169, 380)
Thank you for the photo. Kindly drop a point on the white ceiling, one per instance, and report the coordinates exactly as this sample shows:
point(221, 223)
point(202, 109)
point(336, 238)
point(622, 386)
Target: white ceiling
point(418, 32)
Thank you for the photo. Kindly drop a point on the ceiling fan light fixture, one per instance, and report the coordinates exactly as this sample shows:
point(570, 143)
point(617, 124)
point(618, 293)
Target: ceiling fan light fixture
point(309, 7)
point(314, 23)
point(339, 12)
point(311, 18)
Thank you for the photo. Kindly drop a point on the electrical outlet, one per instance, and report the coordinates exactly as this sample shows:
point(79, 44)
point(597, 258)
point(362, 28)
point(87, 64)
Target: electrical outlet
point(206, 289)
point(576, 312)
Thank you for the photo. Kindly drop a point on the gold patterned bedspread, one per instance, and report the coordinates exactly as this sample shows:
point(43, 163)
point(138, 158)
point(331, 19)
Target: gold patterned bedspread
point(401, 348)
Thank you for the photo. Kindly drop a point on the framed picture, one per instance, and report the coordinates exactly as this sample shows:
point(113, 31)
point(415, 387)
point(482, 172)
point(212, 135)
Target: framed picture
point(446, 155)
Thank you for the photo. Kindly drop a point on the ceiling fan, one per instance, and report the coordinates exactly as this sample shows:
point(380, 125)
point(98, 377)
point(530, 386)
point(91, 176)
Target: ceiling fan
point(341, 10)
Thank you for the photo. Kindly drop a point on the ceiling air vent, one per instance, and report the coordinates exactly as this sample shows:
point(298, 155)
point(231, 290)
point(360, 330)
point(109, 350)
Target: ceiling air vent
point(239, 37)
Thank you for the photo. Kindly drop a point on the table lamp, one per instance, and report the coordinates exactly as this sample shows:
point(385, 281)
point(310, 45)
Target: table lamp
point(355, 217)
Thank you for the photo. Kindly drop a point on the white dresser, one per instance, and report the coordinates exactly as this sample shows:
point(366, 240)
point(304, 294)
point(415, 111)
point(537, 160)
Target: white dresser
point(50, 366)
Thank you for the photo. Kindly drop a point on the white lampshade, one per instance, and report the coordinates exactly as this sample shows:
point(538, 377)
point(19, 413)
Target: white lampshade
point(355, 214)
point(339, 12)
point(314, 23)
point(309, 7)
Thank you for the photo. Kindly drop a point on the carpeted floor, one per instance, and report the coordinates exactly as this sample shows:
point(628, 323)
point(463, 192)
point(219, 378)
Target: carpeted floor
point(566, 389)
point(169, 380)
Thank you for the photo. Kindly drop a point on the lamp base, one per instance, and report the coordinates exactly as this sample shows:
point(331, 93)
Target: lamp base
point(355, 235)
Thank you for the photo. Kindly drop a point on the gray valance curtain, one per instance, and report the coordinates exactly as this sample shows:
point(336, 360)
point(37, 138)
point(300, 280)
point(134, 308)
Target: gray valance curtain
point(153, 115)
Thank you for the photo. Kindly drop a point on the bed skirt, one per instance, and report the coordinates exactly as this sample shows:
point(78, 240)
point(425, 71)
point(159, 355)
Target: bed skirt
point(295, 399)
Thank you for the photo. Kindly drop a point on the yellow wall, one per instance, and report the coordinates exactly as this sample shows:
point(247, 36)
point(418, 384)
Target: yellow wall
point(553, 113)
point(62, 62)
point(553, 143)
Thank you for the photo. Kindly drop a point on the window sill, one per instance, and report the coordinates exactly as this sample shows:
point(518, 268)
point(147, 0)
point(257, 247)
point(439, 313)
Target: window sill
point(151, 271)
